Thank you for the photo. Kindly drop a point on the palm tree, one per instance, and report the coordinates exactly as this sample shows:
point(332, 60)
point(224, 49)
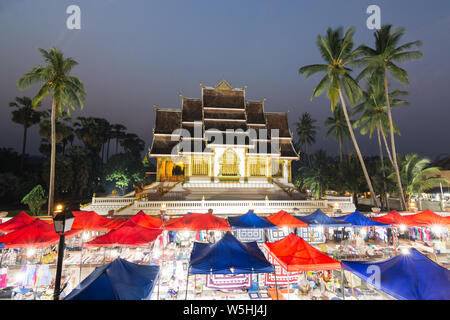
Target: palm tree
point(338, 128)
point(306, 131)
point(133, 144)
point(382, 59)
point(26, 116)
point(67, 92)
point(337, 51)
point(316, 176)
point(417, 175)
point(117, 132)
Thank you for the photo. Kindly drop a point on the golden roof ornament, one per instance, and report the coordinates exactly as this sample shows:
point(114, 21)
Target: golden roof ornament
point(156, 107)
point(223, 85)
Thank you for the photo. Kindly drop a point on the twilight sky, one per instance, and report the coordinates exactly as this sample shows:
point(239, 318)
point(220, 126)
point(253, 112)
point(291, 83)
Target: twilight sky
point(137, 53)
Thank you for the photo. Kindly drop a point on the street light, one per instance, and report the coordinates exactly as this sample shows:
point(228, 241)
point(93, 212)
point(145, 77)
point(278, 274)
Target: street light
point(63, 223)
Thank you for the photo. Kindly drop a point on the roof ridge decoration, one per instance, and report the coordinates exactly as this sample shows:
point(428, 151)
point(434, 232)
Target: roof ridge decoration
point(223, 85)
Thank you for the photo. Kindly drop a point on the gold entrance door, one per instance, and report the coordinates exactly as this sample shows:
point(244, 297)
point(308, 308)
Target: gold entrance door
point(229, 164)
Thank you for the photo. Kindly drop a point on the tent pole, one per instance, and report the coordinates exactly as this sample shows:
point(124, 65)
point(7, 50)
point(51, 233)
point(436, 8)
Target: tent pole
point(1, 259)
point(342, 284)
point(187, 284)
point(289, 285)
point(81, 256)
point(276, 286)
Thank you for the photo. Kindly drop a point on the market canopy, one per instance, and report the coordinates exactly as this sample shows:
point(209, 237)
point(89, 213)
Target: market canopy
point(90, 221)
point(410, 276)
point(117, 280)
point(283, 219)
point(295, 254)
point(357, 219)
point(116, 223)
point(393, 218)
point(37, 234)
point(129, 235)
point(20, 220)
point(427, 218)
point(250, 221)
point(318, 217)
point(197, 222)
point(228, 256)
point(145, 220)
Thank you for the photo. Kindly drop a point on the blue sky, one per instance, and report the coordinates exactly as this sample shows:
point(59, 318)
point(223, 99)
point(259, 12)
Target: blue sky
point(134, 54)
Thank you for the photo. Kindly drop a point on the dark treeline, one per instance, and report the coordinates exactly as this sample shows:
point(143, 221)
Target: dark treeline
point(93, 156)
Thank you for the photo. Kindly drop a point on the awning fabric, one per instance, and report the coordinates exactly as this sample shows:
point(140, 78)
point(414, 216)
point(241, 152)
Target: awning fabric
point(145, 220)
point(283, 219)
point(20, 220)
point(427, 218)
point(37, 234)
point(197, 222)
point(115, 223)
point(393, 218)
point(410, 276)
point(357, 219)
point(318, 217)
point(228, 256)
point(129, 235)
point(295, 254)
point(250, 221)
point(90, 221)
point(117, 280)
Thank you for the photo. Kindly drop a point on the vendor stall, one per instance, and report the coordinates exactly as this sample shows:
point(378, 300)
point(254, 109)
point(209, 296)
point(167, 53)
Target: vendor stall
point(285, 223)
point(17, 222)
point(409, 276)
point(250, 227)
point(118, 280)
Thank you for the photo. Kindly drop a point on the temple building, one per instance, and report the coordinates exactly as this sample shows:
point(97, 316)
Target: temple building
point(219, 152)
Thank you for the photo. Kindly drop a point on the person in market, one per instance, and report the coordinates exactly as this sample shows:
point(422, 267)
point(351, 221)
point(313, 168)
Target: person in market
point(172, 293)
point(304, 287)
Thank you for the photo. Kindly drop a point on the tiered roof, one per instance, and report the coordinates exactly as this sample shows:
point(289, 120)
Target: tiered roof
point(222, 108)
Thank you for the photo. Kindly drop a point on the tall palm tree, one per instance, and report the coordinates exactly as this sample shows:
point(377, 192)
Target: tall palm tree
point(373, 112)
point(67, 92)
point(417, 175)
point(382, 59)
point(118, 132)
point(133, 144)
point(338, 128)
point(26, 116)
point(306, 131)
point(336, 49)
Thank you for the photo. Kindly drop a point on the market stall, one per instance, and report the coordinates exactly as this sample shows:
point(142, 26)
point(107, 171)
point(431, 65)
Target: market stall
point(409, 276)
point(292, 258)
point(118, 280)
point(229, 258)
point(318, 224)
point(284, 221)
point(250, 227)
point(145, 220)
point(197, 222)
point(18, 221)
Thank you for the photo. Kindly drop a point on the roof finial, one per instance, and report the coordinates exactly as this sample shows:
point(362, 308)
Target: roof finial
point(156, 107)
point(202, 85)
point(244, 87)
point(181, 95)
point(264, 99)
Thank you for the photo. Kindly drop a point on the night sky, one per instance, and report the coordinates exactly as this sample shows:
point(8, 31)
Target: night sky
point(134, 54)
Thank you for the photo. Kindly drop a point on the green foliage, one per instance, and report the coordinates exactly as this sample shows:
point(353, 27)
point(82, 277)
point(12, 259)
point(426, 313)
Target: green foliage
point(35, 199)
point(417, 175)
point(306, 132)
point(64, 174)
point(123, 170)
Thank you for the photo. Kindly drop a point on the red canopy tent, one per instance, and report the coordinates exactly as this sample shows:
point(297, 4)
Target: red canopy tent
point(17, 222)
point(37, 234)
point(145, 220)
point(283, 219)
point(428, 218)
point(116, 223)
point(393, 218)
point(295, 254)
point(129, 235)
point(197, 222)
point(91, 221)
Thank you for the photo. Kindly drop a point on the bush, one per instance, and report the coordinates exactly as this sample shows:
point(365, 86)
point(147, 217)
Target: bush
point(35, 199)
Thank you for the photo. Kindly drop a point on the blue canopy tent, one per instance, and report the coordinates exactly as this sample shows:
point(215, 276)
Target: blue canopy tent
point(410, 276)
point(117, 280)
point(318, 217)
point(250, 221)
point(357, 219)
point(228, 256)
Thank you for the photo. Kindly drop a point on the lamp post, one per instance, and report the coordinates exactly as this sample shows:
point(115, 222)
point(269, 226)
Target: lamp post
point(63, 223)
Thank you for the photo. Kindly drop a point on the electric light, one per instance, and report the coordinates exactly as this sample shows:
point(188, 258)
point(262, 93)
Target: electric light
point(31, 252)
point(184, 234)
point(404, 251)
point(436, 229)
point(402, 228)
point(86, 236)
point(232, 269)
point(285, 229)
